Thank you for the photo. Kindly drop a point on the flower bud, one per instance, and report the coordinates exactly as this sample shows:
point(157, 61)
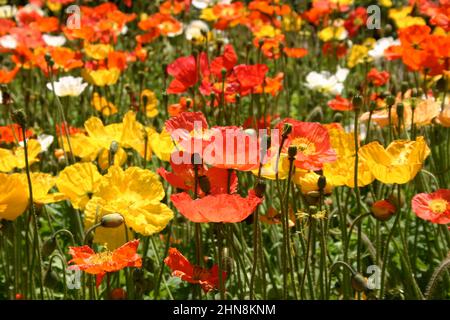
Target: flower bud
point(372, 106)
point(51, 279)
point(19, 117)
point(322, 182)
point(118, 294)
point(400, 110)
point(357, 101)
point(390, 100)
point(397, 199)
point(48, 247)
point(382, 210)
point(292, 152)
point(359, 282)
point(113, 148)
point(337, 117)
point(204, 183)
point(260, 189)
point(287, 129)
point(112, 220)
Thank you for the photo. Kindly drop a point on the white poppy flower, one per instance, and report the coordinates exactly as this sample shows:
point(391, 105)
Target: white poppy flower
point(202, 4)
point(8, 42)
point(377, 52)
point(327, 82)
point(68, 86)
point(45, 140)
point(7, 11)
point(195, 28)
point(54, 41)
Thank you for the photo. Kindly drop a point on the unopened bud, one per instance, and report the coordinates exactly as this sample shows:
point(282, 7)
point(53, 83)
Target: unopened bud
point(382, 210)
point(260, 189)
point(287, 129)
point(359, 282)
point(357, 102)
point(19, 117)
point(112, 220)
point(292, 152)
point(114, 147)
point(48, 247)
point(204, 183)
point(322, 182)
point(400, 110)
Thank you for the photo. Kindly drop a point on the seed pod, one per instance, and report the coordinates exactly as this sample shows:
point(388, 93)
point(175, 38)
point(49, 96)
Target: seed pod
point(112, 220)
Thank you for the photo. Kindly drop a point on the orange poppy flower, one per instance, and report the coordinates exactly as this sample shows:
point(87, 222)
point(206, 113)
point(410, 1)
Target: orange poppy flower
point(66, 58)
point(340, 104)
point(13, 133)
point(313, 144)
point(6, 76)
point(180, 107)
point(433, 207)
point(85, 259)
point(383, 209)
point(226, 208)
point(208, 279)
point(378, 78)
point(295, 52)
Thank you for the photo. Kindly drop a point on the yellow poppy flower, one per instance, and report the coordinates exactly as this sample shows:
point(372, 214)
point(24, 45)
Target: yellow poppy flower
point(119, 158)
point(208, 15)
point(13, 196)
point(101, 77)
point(82, 146)
point(97, 51)
point(135, 194)
point(150, 109)
point(162, 144)
point(342, 171)
point(42, 183)
point(357, 55)
point(268, 169)
point(102, 105)
point(385, 3)
point(333, 33)
point(79, 182)
point(11, 159)
point(398, 163)
point(307, 180)
point(402, 18)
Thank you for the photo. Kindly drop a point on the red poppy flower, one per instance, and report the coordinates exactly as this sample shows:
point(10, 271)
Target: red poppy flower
point(378, 78)
point(433, 207)
point(313, 144)
point(227, 208)
point(250, 76)
point(13, 133)
point(183, 177)
point(383, 209)
point(208, 279)
point(355, 21)
point(85, 259)
point(185, 72)
point(340, 104)
point(226, 61)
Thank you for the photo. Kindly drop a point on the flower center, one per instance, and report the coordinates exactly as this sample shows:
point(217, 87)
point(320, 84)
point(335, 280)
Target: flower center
point(101, 257)
point(438, 206)
point(304, 145)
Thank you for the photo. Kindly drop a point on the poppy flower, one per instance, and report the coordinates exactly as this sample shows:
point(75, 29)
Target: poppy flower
point(340, 103)
point(85, 259)
point(208, 279)
point(398, 163)
point(102, 105)
point(42, 184)
point(176, 109)
point(134, 193)
point(250, 76)
point(149, 103)
point(79, 182)
point(295, 52)
point(383, 210)
point(378, 78)
point(312, 141)
point(183, 177)
point(227, 208)
point(9, 134)
point(271, 86)
point(13, 196)
point(11, 159)
point(101, 77)
point(433, 207)
point(68, 86)
point(185, 72)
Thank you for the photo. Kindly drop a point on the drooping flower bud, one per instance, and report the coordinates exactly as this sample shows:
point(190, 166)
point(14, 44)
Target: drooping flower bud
point(359, 282)
point(112, 220)
point(382, 210)
point(19, 117)
point(48, 247)
point(260, 189)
